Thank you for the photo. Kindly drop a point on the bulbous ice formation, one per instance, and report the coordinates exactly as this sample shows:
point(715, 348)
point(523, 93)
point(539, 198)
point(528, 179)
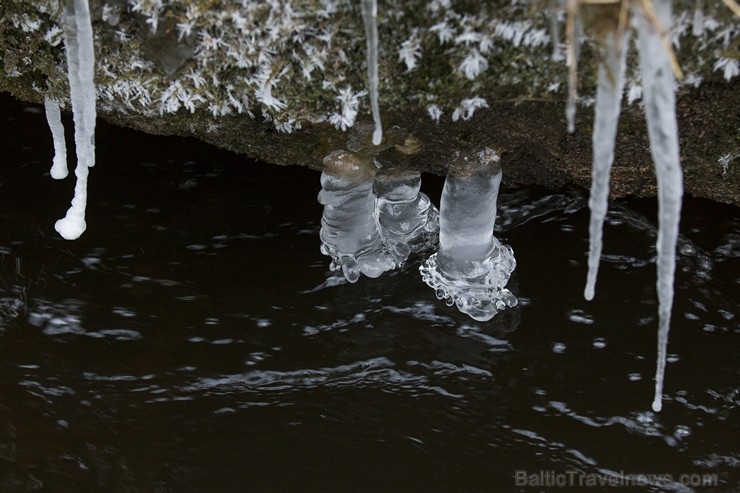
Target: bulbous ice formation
point(54, 119)
point(407, 220)
point(349, 233)
point(471, 267)
point(78, 41)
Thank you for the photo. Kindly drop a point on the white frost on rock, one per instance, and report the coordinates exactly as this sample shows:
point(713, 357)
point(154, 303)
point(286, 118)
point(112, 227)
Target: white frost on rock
point(660, 110)
point(472, 267)
point(729, 66)
point(410, 52)
point(467, 108)
point(608, 106)
point(369, 19)
point(54, 119)
point(407, 220)
point(473, 65)
point(435, 112)
point(78, 40)
point(349, 233)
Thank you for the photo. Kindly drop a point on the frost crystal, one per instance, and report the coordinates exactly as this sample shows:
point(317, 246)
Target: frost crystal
point(78, 40)
point(473, 65)
point(472, 267)
point(407, 220)
point(410, 53)
point(729, 66)
point(467, 108)
point(350, 103)
point(435, 112)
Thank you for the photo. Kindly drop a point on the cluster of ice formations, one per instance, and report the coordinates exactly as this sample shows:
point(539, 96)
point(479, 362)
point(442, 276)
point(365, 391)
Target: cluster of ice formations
point(472, 267)
point(78, 41)
point(657, 68)
point(370, 232)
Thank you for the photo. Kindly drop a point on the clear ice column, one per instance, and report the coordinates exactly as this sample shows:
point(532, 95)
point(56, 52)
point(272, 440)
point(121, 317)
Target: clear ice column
point(472, 267)
point(407, 219)
point(349, 233)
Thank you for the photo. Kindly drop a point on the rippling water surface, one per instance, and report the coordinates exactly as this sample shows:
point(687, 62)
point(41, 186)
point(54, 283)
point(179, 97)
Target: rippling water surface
point(194, 340)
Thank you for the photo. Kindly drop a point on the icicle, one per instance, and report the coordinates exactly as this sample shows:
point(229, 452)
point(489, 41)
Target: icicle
point(572, 33)
point(471, 267)
point(608, 106)
point(54, 119)
point(407, 220)
point(660, 110)
point(349, 233)
point(78, 41)
point(369, 18)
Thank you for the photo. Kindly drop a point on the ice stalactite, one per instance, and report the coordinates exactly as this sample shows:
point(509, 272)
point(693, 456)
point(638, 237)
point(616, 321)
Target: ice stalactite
point(349, 233)
point(407, 220)
point(573, 31)
point(54, 119)
point(608, 106)
point(472, 267)
point(660, 109)
point(369, 18)
point(78, 41)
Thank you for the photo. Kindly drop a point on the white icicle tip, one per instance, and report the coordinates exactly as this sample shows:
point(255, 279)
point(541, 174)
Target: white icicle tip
point(70, 227)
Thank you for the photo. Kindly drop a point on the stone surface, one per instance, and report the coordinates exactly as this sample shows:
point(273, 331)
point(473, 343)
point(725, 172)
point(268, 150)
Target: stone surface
point(283, 82)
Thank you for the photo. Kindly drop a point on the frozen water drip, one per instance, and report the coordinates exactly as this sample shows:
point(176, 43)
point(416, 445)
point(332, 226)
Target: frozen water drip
point(472, 267)
point(407, 220)
point(78, 41)
point(349, 233)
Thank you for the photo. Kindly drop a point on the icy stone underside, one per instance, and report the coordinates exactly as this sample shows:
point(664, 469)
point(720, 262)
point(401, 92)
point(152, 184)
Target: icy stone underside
point(472, 267)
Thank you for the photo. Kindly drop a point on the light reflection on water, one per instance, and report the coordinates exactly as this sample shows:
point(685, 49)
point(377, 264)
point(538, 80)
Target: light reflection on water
point(194, 340)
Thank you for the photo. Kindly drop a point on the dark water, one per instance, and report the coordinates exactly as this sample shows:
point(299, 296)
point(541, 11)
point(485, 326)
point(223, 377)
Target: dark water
point(194, 340)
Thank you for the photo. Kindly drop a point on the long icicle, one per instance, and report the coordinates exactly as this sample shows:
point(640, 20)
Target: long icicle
point(571, 60)
point(54, 119)
point(608, 106)
point(660, 108)
point(78, 41)
point(369, 18)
